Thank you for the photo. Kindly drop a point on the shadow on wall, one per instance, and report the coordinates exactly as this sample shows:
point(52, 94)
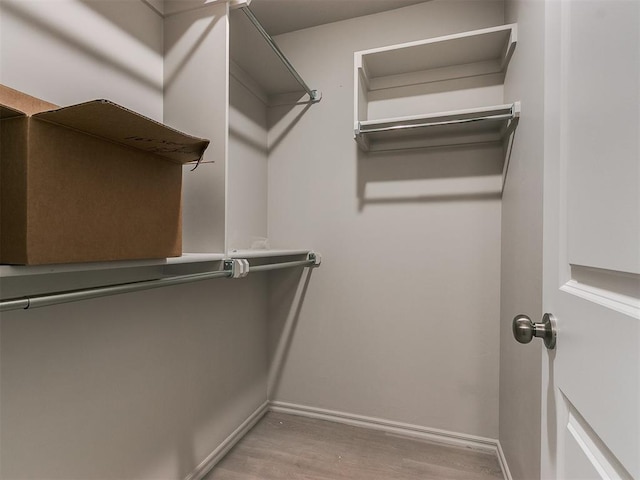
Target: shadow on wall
point(287, 291)
point(429, 175)
point(293, 108)
point(170, 77)
point(277, 114)
point(23, 13)
point(247, 140)
point(133, 386)
point(122, 15)
point(247, 124)
point(428, 92)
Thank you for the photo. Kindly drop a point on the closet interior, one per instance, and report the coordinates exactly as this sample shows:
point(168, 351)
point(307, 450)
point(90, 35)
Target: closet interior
point(361, 165)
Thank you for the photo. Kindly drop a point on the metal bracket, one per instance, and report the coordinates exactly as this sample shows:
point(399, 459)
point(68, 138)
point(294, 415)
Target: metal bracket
point(315, 96)
point(314, 257)
point(239, 267)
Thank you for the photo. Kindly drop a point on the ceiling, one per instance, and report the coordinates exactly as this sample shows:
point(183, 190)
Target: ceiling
point(282, 16)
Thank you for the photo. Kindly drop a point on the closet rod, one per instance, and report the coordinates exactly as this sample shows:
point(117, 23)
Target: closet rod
point(495, 118)
point(277, 266)
point(88, 293)
point(313, 94)
point(37, 301)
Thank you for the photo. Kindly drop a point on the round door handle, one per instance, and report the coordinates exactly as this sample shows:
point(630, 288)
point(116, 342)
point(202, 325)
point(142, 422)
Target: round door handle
point(524, 329)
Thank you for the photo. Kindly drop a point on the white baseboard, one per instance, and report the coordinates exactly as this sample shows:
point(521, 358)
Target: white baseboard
point(395, 428)
point(214, 457)
point(503, 463)
point(485, 444)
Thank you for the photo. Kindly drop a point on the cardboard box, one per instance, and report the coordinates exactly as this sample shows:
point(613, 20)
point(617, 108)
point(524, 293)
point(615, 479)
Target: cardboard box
point(89, 182)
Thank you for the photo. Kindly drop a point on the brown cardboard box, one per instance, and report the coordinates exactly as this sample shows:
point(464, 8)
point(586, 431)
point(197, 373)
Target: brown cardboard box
point(89, 182)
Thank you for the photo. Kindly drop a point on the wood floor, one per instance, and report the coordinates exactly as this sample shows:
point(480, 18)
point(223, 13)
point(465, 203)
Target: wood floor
point(291, 447)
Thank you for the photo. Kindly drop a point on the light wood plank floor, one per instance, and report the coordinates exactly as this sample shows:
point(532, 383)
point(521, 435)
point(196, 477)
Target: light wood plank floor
point(291, 447)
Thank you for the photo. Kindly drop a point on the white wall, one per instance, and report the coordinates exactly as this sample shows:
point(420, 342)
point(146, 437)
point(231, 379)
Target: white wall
point(521, 277)
point(247, 178)
point(196, 95)
point(137, 386)
point(401, 321)
point(71, 51)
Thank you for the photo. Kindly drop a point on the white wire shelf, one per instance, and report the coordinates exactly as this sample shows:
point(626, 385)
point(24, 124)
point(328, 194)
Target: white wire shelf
point(461, 127)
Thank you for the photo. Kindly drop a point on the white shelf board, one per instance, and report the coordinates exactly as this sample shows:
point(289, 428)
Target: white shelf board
point(15, 271)
point(21, 281)
point(196, 258)
point(479, 52)
point(26, 270)
point(460, 127)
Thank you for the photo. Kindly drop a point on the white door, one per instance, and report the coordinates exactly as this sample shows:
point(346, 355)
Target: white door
point(591, 380)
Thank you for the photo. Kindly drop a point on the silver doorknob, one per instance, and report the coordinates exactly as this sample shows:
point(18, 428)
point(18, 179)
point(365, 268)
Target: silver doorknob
point(524, 330)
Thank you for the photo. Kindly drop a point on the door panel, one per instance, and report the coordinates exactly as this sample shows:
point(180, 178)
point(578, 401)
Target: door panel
point(592, 238)
point(596, 373)
point(601, 102)
point(586, 455)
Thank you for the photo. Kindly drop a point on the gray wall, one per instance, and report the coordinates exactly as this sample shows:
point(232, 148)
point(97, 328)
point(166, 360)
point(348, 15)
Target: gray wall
point(196, 98)
point(247, 176)
point(136, 386)
point(72, 51)
point(402, 319)
point(521, 276)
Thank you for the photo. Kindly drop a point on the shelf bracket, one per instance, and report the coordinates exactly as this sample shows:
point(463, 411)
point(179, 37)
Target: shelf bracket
point(509, 134)
point(314, 257)
point(239, 267)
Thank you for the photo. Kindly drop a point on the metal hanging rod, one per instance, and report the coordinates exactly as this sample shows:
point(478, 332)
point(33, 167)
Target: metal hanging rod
point(277, 266)
point(37, 301)
point(491, 118)
point(314, 95)
point(233, 268)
